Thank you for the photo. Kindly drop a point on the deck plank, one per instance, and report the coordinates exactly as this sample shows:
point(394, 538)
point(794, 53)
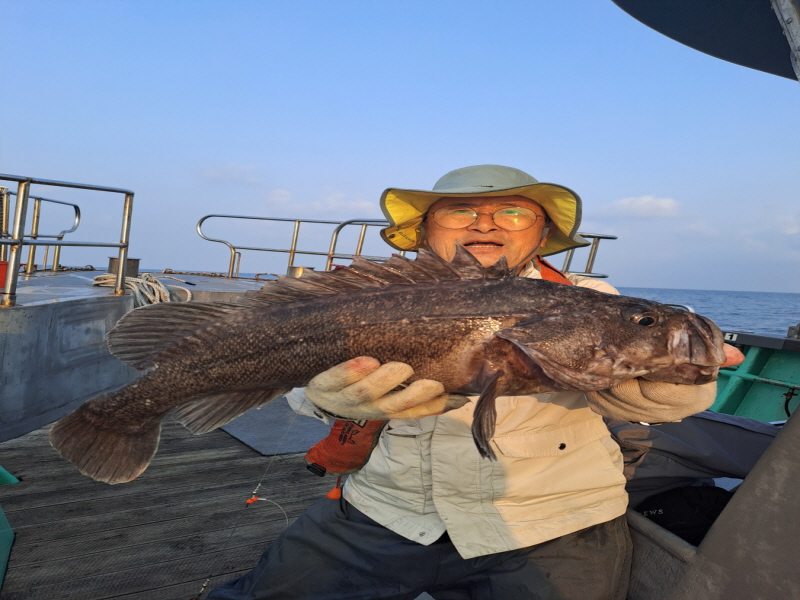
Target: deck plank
point(157, 537)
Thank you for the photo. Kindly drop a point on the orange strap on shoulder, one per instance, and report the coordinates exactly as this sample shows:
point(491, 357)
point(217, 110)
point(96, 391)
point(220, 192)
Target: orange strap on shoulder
point(550, 273)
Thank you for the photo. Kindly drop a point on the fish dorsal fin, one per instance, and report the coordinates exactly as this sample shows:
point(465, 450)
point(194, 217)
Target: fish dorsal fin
point(386, 272)
point(498, 269)
point(363, 273)
point(145, 332)
point(466, 264)
point(310, 285)
point(438, 268)
point(463, 266)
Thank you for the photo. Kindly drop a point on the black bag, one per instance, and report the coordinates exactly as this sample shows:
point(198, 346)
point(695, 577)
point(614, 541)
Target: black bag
point(699, 448)
point(688, 512)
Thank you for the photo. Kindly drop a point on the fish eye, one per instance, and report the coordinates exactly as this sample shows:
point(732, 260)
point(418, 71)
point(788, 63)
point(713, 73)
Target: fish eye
point(641, 316)
point(645, 320)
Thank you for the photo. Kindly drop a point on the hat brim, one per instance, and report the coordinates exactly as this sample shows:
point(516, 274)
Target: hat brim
point(405, 210)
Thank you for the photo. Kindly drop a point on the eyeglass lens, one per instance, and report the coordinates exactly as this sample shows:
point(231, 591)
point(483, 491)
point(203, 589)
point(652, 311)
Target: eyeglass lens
point(510, 218)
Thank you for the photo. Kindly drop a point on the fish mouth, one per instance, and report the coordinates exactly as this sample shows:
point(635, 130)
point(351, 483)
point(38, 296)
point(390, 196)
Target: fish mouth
point(697, 351)
point(699, 342)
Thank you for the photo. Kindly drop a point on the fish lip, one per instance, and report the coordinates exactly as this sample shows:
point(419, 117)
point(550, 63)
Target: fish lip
point(685, 343)
point(710, 337)
point(696, 349)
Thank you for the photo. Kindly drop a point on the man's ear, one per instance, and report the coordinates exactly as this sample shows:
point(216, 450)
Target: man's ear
point(545, 235)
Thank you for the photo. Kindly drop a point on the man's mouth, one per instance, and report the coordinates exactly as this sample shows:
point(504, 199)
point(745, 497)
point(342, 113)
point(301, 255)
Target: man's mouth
point(483, 244)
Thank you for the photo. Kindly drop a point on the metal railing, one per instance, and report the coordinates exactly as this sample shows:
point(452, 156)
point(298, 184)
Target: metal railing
point(587, 271)
point(5, 203)
point(15, 239)
point(293, 251)
point(364, 224)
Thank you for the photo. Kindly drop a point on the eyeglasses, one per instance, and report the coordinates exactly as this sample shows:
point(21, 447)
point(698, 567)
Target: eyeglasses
point(510, 218)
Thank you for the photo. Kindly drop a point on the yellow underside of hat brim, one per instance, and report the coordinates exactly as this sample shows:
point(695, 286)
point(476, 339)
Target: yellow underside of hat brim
point(405, 209)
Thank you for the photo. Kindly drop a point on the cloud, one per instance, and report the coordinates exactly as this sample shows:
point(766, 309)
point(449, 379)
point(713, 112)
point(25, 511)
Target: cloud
point(335, 206)
point(643, 207)
point(232, 173)
point(279, 198)
point(699, 229)
point(342, 205)
point(790, 225)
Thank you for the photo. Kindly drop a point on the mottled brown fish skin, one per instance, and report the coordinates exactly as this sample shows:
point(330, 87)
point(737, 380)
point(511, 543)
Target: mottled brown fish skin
point(478, 336)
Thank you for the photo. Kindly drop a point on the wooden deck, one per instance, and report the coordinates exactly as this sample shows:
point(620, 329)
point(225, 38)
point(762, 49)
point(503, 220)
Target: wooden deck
point(157, 537)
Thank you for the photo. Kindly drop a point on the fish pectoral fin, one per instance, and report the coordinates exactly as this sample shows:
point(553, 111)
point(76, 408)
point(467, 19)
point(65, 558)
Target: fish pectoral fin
point(145, 332)
point(209, 412)
point(485, 416)
point(99, 450)
point(562, 377)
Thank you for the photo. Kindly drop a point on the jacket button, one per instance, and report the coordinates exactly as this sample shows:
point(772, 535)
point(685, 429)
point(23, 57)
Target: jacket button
point(562, 446)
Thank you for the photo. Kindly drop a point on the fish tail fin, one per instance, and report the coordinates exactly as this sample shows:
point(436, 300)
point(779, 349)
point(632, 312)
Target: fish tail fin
point(103, 453)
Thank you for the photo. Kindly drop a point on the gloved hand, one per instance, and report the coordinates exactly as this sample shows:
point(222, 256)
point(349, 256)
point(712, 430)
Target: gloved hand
point(652, 401)
point(733, 356)
point(361, 388)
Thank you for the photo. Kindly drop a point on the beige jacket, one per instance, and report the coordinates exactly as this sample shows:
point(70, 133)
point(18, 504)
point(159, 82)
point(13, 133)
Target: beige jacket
point(558, 470)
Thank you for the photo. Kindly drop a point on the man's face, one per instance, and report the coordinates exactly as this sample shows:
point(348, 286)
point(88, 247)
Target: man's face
point(484, 239)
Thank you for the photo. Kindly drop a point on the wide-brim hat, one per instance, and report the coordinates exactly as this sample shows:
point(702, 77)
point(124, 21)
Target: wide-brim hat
point(405, 209)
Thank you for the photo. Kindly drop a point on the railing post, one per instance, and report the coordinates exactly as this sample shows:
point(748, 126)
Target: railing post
point(332, 247)
point(20, 211)
point(4, 204)
point(30, 267)
point(124, 238)
point(232, 261)
point(293, 249)
point(56, 255)
point(567, 259)
point(362, 235)
point(592, 254)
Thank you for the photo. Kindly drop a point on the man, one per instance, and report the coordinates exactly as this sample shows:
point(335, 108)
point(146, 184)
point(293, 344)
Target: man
point(427, 512)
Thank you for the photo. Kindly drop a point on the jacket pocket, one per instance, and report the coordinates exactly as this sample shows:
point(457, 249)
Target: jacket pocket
point(552, 441)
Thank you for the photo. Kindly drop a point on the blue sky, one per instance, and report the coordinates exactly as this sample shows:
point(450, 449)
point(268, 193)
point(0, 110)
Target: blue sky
point(312, 108)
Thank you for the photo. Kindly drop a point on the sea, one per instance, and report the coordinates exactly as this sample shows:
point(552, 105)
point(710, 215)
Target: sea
point(766, 313)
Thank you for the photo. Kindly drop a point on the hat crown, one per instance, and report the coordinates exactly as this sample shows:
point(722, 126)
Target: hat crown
point(488, 177)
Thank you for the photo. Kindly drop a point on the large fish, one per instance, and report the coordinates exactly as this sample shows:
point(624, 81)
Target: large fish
point(475, 329)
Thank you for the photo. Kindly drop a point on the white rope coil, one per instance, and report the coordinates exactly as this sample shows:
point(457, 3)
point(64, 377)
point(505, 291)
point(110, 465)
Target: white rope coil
point(145, 289)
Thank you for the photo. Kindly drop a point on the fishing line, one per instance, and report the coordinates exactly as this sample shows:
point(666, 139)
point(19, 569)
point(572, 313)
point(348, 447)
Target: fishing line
point(248, 502)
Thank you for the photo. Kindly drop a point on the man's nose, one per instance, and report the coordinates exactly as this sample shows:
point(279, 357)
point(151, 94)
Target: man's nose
point(484, 223)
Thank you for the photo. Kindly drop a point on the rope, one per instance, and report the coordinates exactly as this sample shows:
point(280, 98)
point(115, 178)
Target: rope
point(145, 289)
point(200, 273)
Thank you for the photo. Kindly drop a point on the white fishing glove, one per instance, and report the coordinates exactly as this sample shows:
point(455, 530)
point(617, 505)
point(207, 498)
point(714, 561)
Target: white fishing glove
point(652, 401)
point(362, 388)
point(657, 401)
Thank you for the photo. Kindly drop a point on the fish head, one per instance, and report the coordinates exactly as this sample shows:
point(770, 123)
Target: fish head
point(695, 345)
point(599, 343)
